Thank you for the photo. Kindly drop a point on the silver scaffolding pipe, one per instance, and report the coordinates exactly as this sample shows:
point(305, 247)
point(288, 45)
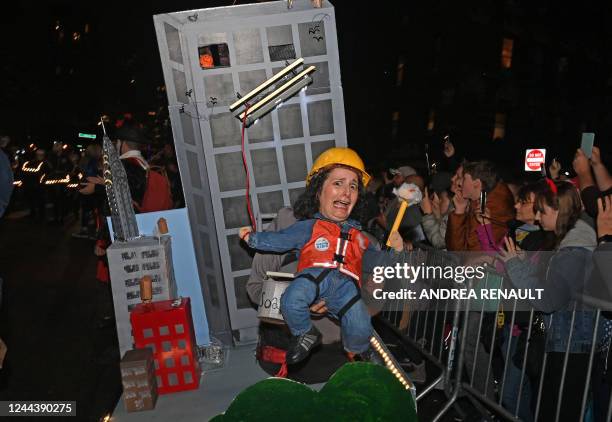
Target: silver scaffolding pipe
point(565, 360)
point(433, 335)
point(469, 388)
point(524, 366)
point(541, 384)
point(478, 336)
point(490, 363)
point(452, 346)
point(459, 364)
point(507, 359)
point(585, 395)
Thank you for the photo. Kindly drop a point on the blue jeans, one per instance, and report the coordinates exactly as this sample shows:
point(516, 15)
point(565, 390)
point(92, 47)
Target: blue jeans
point(336, 290)
point(513, 380)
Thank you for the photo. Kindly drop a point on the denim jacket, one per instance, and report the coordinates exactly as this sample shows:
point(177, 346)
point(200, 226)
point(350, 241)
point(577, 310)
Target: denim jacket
point(567, 272)
point(297, 235)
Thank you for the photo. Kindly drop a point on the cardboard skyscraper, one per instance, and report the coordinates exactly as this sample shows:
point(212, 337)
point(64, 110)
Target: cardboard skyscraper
point(118, 194)
point(131, 256)
point(208, 56)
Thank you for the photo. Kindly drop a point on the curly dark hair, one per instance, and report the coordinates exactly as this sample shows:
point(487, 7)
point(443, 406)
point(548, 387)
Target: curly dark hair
point(307, 205)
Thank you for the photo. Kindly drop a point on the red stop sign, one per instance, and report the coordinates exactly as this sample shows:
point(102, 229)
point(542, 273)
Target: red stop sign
point(534, 160)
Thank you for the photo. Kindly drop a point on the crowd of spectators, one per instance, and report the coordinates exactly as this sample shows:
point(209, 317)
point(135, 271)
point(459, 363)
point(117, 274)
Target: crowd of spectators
point(547, 231)
point(52, 186)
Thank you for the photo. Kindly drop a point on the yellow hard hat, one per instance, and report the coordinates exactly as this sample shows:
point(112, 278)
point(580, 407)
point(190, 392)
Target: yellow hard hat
point(344, 156)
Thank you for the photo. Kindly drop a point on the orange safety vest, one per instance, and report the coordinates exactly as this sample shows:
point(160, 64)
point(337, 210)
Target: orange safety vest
point(328, 247)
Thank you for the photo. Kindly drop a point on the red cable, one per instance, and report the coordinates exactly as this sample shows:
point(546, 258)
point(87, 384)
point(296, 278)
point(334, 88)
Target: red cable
point(246, 169)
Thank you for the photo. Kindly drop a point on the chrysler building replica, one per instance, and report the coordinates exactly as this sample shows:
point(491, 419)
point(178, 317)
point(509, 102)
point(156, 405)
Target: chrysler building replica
point(118, 193)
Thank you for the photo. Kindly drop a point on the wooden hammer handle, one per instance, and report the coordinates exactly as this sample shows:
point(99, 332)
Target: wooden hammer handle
point(398, 219)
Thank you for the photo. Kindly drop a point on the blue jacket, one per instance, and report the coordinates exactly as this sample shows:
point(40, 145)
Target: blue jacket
point(567, 272)
point(295, 237)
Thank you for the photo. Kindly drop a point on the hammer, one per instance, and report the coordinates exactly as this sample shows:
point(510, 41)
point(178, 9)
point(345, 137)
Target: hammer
point(408, 194)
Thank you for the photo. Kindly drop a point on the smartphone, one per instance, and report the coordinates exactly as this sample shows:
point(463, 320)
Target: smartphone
point(587, 143)
point(483, 202)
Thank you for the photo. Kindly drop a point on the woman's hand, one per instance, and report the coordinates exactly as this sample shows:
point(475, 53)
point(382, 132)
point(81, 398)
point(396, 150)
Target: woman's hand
point(581, 163)
point(460, 202)
point(88, 189)
point(604, 216)
point(554, 169)
point(512, 250)
point(426, 205)
point(244, 233)
point(319, 308)
point(97, 180)
point(595, 157)
point(396, 241)
point(449, 149)
point(98, 251)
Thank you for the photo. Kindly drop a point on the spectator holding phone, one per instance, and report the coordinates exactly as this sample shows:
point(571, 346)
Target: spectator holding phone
point(478, 177)
point(562, 276)
point(601, 382)
point(593, 177)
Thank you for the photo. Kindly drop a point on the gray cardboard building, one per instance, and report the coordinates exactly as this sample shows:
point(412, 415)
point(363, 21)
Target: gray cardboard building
point(247, 44)
point(128, 262)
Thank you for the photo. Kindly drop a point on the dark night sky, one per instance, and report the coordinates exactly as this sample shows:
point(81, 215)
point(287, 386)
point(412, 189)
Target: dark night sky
point(448, 47)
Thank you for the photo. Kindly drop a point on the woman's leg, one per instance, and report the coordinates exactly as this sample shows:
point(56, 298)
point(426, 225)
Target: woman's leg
point(356, 322)
point(356, 328)
point(295, 304)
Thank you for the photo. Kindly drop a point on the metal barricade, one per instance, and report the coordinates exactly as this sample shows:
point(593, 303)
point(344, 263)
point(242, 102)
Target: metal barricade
point(497, 356)
point(431, 327)
point(556, 394)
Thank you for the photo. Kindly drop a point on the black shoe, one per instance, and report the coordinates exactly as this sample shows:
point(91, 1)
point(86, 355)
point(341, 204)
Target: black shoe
point(301, 346)
point(371, 356)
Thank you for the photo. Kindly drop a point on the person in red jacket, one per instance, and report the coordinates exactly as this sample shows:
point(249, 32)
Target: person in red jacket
point(332, 250)
point(479, 177)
